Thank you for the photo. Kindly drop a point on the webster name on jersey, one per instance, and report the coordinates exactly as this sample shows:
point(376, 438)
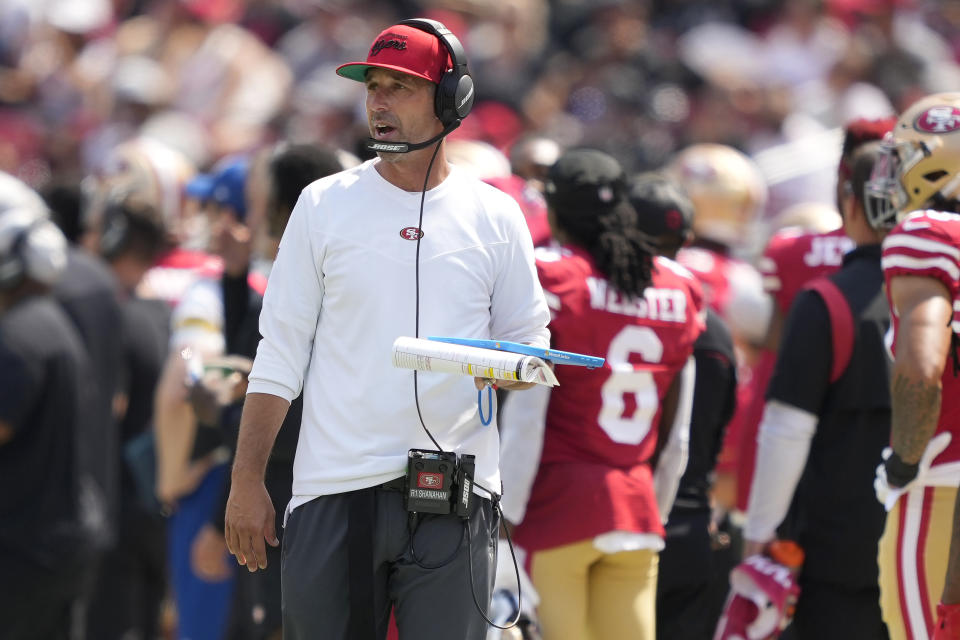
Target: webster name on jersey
point(666, 305)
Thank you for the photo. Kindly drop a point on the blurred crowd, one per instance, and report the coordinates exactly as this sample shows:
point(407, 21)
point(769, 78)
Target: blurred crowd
point(639, 79)
point(172, 137)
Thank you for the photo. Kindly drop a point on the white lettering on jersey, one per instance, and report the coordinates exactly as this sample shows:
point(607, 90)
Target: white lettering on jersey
point(827, 250)
point(630, 379)
point(666, 305)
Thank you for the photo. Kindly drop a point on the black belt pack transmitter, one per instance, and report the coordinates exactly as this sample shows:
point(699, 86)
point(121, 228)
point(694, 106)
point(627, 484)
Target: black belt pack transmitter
point(439, 482)
point(430, 476)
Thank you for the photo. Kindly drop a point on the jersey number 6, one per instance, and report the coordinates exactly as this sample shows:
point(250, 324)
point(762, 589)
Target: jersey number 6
point(628, 379)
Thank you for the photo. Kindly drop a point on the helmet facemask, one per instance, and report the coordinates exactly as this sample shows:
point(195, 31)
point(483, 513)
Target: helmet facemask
point(884, 194)
point(919, 165)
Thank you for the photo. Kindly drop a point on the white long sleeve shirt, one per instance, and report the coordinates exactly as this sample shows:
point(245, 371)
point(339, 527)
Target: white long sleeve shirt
point(343, 288)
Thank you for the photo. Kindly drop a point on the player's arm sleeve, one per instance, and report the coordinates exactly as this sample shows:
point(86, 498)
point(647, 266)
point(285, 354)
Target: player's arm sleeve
point(794, 401)
point(518, 308)
point(522, 425)
point(291, 307)
point(749, 309)
point(782, 450)
point(673, 457)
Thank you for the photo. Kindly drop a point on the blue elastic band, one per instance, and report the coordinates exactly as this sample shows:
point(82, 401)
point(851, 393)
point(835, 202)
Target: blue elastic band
point(485, 421)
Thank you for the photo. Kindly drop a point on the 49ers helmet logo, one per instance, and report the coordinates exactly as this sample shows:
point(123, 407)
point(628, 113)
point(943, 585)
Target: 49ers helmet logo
point(939, 120)
point(411, 233)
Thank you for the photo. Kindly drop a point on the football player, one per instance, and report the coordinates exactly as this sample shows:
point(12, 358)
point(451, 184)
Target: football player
point(917, 183)
point(607, 476)
point(793, 257)
point(689, 593)
point(796, 255)
point(729, 195)
point(825, 422)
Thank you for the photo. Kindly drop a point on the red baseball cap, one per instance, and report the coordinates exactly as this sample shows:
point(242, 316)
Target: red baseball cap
point(405, 49)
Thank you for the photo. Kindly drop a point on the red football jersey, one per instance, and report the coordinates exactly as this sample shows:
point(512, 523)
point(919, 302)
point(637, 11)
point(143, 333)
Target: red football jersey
point(601, 424)
point(794, 257)
point(927, 243)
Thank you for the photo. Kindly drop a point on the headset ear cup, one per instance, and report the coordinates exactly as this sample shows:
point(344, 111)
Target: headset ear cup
point(454, 98)
point(445, 100)
point(463, 96)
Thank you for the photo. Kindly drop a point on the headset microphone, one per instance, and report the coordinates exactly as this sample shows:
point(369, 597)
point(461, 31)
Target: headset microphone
point(407, 147)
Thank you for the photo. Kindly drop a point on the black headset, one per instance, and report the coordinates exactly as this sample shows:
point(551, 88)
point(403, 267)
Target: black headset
point(13, 265)
point(455, 91)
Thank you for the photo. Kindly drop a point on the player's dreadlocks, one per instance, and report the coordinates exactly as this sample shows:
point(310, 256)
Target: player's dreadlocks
point(587, 194)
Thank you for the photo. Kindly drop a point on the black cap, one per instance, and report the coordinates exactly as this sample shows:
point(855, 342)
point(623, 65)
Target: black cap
point(585, 179)
point(662, 206)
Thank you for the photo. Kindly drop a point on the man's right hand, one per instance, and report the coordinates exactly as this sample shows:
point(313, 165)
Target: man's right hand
point(249, 523)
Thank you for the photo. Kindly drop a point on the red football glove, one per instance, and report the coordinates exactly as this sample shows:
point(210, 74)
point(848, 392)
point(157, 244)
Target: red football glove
point(948, 622)
point(763, 595)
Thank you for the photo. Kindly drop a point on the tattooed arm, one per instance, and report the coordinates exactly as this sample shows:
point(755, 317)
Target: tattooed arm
point(925, 310)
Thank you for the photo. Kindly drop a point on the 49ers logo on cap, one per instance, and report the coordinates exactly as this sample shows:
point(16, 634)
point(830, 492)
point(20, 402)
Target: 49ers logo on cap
point(411, 233)
point(939, 120)
point(427, 480)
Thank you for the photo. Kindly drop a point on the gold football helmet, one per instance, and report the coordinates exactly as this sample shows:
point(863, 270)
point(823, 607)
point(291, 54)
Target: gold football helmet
point(727, 190)
point(919, 165)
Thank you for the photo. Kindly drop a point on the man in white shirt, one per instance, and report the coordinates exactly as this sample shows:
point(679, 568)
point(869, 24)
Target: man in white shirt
point(402, 245)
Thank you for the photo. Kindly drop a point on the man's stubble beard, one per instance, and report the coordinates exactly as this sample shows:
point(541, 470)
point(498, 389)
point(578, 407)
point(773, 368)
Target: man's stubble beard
point(390, 158)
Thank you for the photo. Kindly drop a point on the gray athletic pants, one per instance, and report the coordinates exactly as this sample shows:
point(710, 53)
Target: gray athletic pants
point(428, 602)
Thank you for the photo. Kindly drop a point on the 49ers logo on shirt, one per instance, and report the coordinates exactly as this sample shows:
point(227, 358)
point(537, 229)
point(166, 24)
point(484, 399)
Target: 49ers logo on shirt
point(939, 120)
point(411, 233)
point(427, 480)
